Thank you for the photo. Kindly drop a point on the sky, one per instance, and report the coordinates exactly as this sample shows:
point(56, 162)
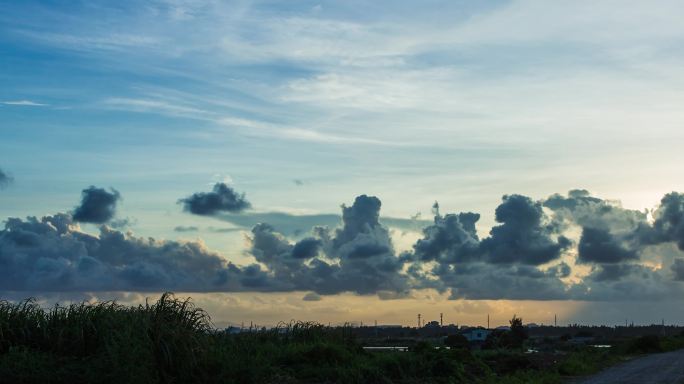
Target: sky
point(282, 160)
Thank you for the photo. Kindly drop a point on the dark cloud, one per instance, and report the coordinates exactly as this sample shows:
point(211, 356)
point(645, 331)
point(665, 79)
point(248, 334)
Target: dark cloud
point(507, 260)
point(298, 182)
point(307, 248)
point(669, 219)
point(358, 257)
point(362, 217)
point(523, 237)
point(526, 254)
point(520, 259)
point(600, 246)
point(221, 199)
point(5, 179)
point(452, 238)
point(513, 282)
point(613, 272)
point(52, 254)
point(581, 209)
point(627, 282)
point(97, 205)
point(678, 269)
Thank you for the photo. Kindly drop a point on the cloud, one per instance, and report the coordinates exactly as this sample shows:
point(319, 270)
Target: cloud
point(5, 179)
point(183, 228)
point(530, 254)
point(452, 238)
point(294, 225)
point(678, 269)
point(307, 248)
point(223, 230)
point(123, 223)
point(97, 205)
point(357, 257)
point(525, 256)
point(669, 219)
point(582, 209)
point(52, 254)
point(311, 296)
point(523, 236)
point(298, 182)
point(192, 228)
point(27, 103)
point(599, 246)
point(221, 199)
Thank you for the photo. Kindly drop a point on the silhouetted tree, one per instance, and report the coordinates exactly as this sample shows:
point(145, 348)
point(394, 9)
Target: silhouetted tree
point(456, 341)
point(518, 333)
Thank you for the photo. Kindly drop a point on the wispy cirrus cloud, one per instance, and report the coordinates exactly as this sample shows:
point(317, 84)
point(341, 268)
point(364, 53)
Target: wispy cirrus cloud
point(27, 103)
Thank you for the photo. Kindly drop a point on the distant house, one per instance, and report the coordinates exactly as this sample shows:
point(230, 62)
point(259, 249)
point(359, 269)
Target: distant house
point(475, 334)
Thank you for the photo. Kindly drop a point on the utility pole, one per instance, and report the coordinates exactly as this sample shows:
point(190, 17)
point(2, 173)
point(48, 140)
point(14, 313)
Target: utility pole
point(555, 320)
point(419, 320)
point(441, 319)
point(488, 321)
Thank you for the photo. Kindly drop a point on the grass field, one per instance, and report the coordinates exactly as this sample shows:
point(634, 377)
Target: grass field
point(172, 341)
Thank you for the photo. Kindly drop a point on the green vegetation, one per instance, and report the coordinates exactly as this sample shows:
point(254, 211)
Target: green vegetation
point(171, 341)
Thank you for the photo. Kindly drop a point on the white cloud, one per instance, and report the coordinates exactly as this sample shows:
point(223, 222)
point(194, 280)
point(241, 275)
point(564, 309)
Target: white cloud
point(28, 103)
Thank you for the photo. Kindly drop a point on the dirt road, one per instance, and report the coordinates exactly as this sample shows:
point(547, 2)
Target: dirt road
point(658, 368)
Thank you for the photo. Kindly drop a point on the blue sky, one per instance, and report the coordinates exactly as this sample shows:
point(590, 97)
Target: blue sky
point(459, 102)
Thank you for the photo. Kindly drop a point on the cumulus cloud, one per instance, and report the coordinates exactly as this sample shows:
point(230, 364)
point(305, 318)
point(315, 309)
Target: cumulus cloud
point(523, 256)
point(358, 257)
point(5, 179)
point(52, 254)
point(97, 205)
point(600, 246)
point(529, 254)
point(669, 219)
point(523, 236)
point(221, 199)
point(452, 238)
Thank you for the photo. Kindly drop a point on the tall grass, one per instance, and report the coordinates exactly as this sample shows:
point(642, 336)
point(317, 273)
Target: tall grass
point(169, 341)
point(150, 342)
point(172, 341)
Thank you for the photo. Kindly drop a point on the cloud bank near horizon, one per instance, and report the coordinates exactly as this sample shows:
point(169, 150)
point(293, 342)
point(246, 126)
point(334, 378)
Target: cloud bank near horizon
point(565, 247)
